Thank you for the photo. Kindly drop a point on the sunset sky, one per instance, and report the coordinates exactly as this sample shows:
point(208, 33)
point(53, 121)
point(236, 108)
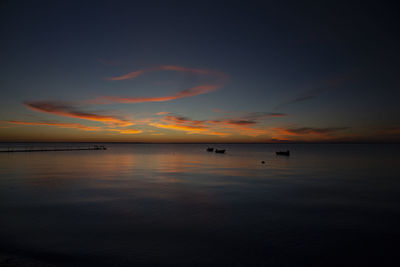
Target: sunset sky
point(199, 71)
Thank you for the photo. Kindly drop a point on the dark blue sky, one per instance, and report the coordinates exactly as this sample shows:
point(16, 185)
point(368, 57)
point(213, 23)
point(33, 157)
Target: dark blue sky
point(310, 70)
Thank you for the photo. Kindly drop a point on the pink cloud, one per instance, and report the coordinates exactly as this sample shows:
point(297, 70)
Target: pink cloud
point(59, 124)
point(66, 110)
point(219, 80)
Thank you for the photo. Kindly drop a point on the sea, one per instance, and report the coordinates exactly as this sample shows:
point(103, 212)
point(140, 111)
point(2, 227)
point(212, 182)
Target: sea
point(179, 205)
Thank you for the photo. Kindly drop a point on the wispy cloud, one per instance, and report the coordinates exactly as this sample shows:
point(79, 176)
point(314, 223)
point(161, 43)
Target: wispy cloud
point(59, 125)
point(187, 128)
point(197, 90)
point(126, 131)
point(233, 122)
point(391, 130)
point(263, 115)
point(218, 80)
point(213, 127)
point(128, 76)
point(77, 126)
point(181, 120)
point(163, 113)
point(67, 110)
point(310, 94)
point(310, 131)
point(180, 123)
point(134, 74)
point(241, 127)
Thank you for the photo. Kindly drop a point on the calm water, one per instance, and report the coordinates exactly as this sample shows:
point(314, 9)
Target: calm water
point(141, 204)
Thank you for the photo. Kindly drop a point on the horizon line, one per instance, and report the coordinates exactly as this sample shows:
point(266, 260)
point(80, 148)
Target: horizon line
point(256, 143)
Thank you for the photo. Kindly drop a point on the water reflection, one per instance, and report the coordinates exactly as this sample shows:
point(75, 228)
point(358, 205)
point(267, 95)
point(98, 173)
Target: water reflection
point(179, 205)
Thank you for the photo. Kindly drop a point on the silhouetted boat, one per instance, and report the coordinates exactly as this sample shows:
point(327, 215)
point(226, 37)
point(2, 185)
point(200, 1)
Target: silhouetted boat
point(210, 149)
point(219, 150)
point(283, 153)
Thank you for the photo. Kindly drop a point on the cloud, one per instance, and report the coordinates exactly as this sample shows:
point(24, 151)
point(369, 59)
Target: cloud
point(218, 80)
point(263, 115)
point(222, 134)
point(66, 110)
point(232, 122)
point(391, 130)
point(126, 131)
point(240, 122)
point(305, 96)
point(187, 128)
point(304, 131)
point(241, 127)
point(77, 126)
point(135, 74)
point(181, 120)
point(197, 90)
point(211, 127)
point(163, 113)
point(310, 94)
point(60, 125)
point(127, 76)
point(180, 123)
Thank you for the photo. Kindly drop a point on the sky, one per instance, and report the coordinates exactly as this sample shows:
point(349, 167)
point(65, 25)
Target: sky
point(199, 71)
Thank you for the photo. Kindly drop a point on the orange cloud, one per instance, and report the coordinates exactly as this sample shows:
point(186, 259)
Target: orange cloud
point(75, 126)
point(253, 132)
point(310, 132)
point(189, 129)
point(186, 128)
point(219, 78)
point(180, 120)
point(219, 134)
point(197, 90)
point(181, 123)
point(134, 74)
point(126, 131)
point(60, 125)
point(127, 76)
point(162, 113)
point(240, 126)
point(63, 109)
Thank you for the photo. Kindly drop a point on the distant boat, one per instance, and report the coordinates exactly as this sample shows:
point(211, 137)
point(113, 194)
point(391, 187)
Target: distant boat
point(210, 149)
point(219, 150)
point(283, 153)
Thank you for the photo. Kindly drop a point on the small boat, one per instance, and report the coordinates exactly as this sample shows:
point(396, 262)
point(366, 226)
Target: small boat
point(283, 153)
point(210, 149)
point(219, 150)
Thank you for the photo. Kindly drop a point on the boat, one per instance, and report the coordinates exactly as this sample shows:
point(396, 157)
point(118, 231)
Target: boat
point(283, 153)
point(210, 149)
point(219, 150)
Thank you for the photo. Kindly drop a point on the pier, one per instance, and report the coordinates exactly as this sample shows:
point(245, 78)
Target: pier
point(48, 148)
